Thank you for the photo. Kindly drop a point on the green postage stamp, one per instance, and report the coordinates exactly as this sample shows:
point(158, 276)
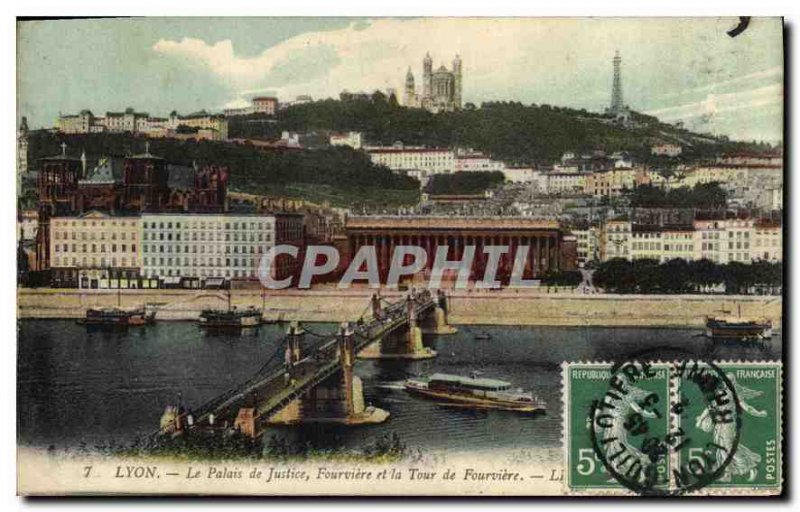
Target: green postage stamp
point(669, 428)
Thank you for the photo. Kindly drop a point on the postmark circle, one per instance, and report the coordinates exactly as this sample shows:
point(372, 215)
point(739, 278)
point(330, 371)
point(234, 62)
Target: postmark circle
point(624, 442)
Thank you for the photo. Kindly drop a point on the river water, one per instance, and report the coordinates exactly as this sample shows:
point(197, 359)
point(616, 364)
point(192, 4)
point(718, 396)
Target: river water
point(79, 387)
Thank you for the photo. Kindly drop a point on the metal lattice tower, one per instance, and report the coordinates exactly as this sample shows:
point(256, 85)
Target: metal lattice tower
point(617, 105)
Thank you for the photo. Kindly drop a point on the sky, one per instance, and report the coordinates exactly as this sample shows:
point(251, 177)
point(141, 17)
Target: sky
point(679, 69)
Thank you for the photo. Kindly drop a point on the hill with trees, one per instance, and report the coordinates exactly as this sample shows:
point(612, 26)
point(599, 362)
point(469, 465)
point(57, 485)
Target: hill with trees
point(707, 196)
point(509, 131)
point(340, 175)
point(464, 182)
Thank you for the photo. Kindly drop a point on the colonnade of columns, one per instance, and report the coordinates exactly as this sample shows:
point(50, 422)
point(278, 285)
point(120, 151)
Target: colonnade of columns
point(543, 250)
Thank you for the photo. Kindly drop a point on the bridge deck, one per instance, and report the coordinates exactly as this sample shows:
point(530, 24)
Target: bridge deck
point(268, 391)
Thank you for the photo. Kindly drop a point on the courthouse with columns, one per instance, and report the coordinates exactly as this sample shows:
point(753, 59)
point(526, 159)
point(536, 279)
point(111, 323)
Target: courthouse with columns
point(549, 248)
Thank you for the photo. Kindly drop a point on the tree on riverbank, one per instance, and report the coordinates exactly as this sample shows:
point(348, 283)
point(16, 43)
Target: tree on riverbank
point(678, 276)
point(570, 278)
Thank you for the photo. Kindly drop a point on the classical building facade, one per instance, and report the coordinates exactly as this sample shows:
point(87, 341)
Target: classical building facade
point(477, 162)
point(129, 186)
point(401, 158)
point(94, 239)
point(615, 240)
point(544, 240)
point(610, 183)
point(441, 89)
point(261, 105)
point(721, 240)
point(205, 245)
point(199, 124)
point(90, 249)
point(564, 183)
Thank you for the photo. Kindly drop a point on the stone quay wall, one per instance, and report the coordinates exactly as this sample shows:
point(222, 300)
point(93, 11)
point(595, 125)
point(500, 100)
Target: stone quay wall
point(496, 307)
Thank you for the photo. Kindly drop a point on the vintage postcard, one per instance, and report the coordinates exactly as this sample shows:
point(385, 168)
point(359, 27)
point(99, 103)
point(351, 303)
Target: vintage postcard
point(400, 256)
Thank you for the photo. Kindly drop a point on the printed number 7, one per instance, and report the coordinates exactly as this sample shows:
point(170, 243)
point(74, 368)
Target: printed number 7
point(86, 471)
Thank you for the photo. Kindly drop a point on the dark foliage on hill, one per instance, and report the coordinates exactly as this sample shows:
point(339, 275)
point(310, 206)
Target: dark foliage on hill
point(706, 196)
point(464, 182)
point(252, 170)
point(510, 131)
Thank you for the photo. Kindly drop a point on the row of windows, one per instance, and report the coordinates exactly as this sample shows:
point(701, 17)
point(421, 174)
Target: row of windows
point(252, 249)
point(94, 248)
point(203, 262)
point(767, 243)
point(93, 261)
point(646, 246)
point(92, 235)
point(260, 237)
point(739, 234)
point(203, 225)
point(203, 273)
point(95, 223)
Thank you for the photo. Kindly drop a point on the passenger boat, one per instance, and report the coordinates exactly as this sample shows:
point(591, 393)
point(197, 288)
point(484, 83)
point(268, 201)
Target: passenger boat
point(231, 318)
point(118, 317)
point(732, 328)
point(474, 392)
point(738, 328)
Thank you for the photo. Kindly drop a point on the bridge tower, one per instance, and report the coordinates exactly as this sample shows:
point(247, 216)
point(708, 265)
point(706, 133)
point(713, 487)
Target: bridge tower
point(337, 399)
point(438, 322)
point(405, 342)
point(294, 341)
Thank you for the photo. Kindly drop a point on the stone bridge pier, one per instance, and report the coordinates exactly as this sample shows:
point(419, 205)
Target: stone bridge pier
point(337, 399)
point(437, 321)
point(405, 342)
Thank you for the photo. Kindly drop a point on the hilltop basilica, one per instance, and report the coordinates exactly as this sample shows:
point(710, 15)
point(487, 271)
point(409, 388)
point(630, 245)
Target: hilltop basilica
point(441, 89)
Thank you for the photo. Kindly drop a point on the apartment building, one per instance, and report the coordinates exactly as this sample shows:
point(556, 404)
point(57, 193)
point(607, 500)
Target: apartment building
point(205, 246)
point(400, 158)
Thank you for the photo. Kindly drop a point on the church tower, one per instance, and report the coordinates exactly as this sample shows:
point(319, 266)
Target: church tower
point(457, 88)
point(427, 77)
point(409, 99)
point(22, 147)
point(22, 152)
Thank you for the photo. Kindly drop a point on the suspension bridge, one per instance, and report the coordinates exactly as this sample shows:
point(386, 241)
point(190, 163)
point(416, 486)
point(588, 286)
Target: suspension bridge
point(314, 382)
